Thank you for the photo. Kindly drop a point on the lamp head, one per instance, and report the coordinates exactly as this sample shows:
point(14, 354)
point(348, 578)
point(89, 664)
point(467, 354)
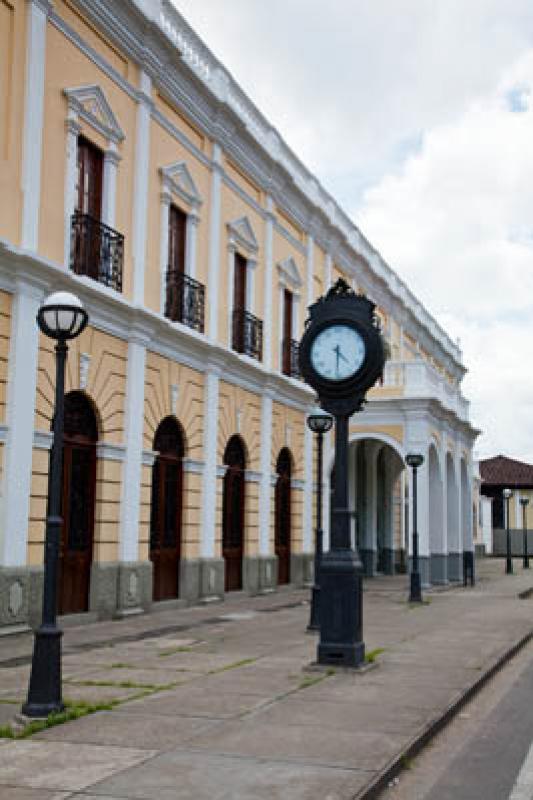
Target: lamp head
point(507, 493)
point(414, 460)
point(319, 421)
point(524, 501)
point(62, 316)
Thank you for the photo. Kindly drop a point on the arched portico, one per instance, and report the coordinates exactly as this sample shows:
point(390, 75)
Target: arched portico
point(375, 498)
point(437, 543)
point(455, 559)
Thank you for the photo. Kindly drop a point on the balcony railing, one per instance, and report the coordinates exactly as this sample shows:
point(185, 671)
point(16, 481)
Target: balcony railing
point(185, 300)
point(247, 334)
point(96, 250)
point(289, 358)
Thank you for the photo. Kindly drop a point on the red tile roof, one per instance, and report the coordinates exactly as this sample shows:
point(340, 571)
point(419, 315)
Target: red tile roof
point(504, 471)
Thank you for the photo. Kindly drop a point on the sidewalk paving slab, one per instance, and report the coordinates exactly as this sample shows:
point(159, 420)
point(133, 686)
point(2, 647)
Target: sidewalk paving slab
point(244, 719)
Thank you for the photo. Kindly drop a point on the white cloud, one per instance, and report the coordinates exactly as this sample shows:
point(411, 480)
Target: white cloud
point(457, 223)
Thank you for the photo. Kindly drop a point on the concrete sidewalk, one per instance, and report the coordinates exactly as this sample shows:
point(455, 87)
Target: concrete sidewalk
point(213, 703)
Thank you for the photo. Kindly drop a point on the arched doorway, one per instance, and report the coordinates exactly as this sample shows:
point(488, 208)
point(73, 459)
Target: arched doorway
point(166, 509)
point(282, 529)
point(78, 498)
point(233, 500)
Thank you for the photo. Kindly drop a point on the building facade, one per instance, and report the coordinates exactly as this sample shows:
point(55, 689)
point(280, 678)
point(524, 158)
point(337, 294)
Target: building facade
point(499, 473)
point(136, 173)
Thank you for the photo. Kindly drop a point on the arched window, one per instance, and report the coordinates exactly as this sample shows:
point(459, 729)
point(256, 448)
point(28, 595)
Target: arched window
point(166, 508)
point(233, 502)
point(282, 530)
point(78, 499)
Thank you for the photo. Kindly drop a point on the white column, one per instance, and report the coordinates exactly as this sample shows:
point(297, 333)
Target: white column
point(33, 123)
point(109, 193)
point(230, 298)
point(444, 473)
point(327, 272)
point(18, 451)
point(209, 483)
point(190, 243)
point(308, 534)
point(310, 266)
point(459, 484)
point(371, 520)
point(73, 130)
point(163, 249)
point(131, 476)
point(267, 321)
point(422, 505)
point(140, 196)
point(265, 488)
point(214, 244)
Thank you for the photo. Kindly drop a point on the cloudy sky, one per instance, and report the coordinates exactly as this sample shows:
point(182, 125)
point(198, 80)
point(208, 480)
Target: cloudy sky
point(418, 116)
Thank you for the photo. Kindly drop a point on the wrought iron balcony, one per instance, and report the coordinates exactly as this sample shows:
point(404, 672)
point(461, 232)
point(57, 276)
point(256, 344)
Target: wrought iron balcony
point(289, 365)
point(185, 300)
point(96, 250)
point(247, 334)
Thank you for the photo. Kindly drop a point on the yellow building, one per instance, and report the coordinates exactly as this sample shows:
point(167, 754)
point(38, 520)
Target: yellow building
point(136, 173)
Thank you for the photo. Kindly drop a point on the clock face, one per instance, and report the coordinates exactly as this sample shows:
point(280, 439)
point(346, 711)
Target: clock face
point(337, 352)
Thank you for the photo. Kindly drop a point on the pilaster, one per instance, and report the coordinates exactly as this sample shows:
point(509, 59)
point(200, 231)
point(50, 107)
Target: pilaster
point(265, 489)
point(267, 322)
point(209, 483)
point(131, 476)
point(214, 243)
point(21, 390)
point(140, 202)
point(33, 123)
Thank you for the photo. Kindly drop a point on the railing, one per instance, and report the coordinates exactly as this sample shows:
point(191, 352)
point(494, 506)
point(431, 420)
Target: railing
point(290, 365)
point(96, 250)
point(185, 300)
point(247, 334)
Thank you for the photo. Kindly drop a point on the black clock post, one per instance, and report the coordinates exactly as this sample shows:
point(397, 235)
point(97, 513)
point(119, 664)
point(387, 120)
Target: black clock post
point(341, 356)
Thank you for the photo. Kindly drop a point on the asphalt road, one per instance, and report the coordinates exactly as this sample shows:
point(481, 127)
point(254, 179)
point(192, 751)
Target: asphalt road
point(486, 752)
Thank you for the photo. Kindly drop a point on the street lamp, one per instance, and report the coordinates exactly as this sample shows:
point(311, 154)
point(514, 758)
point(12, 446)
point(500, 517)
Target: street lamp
point(507, 493)
point(415, 460)
point(524, 501)
point(61, 317)
point(320, 423)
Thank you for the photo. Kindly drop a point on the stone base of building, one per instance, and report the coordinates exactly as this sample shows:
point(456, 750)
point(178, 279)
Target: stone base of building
point(438, 571)
point(480, 550)
point(388, 561)
point(423, 568)
point(455, 567)
point(211, 579)
point(302, 569)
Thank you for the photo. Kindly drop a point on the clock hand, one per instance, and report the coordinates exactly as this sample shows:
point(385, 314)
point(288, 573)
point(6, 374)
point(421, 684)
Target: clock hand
point(337, 351)
point(343, 356)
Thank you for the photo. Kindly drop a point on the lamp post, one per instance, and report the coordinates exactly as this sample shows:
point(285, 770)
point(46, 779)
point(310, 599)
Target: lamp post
point(61, 317)
point(320, 423)
point(524, 501)
point(415, 460)
point(507, 493)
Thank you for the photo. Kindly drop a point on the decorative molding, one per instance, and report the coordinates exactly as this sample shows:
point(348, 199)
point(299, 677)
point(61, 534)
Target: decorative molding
point(250, 476)
point(110, 452)
point(89, 102)
point(190, 465)
point(289, 274)
point(148, 458)
point(43, 440)
point(221, 470)
point(241, 233)
point(174, 392)
point(178, 180)
point(298, 484)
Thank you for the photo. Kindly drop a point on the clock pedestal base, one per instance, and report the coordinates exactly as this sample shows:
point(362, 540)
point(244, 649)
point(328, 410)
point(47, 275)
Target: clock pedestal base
point(341, 610)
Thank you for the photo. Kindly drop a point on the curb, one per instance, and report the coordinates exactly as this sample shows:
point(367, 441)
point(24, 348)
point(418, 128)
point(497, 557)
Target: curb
point(373, 790)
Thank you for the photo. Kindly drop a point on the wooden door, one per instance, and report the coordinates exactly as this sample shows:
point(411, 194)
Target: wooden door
point(282, 531)
point(233, 500)
point(89, 188)
point(87, 255)
point(287, 332)
point(78, 500)
point(239, 302)
point(166, 510)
